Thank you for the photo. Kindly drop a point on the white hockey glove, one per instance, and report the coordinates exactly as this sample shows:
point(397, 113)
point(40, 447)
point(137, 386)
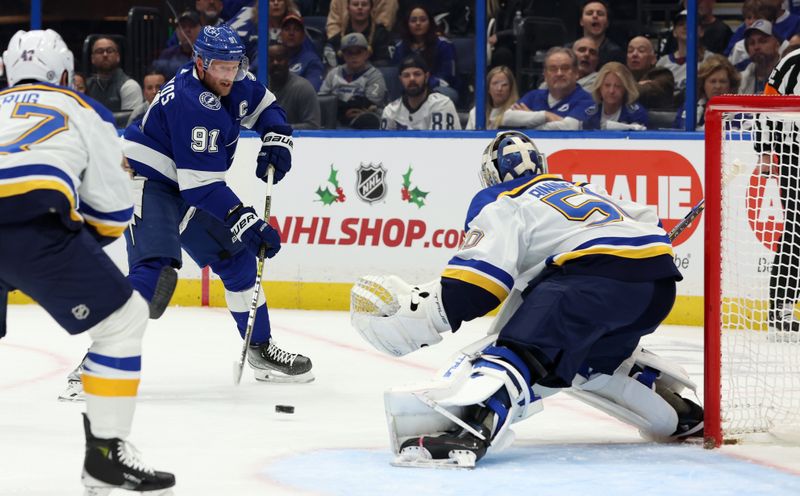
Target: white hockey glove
point(394, 316)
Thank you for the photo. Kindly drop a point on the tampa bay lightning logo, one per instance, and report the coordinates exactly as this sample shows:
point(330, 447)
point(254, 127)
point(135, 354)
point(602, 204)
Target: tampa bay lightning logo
point(211, 31)
point(209, 101)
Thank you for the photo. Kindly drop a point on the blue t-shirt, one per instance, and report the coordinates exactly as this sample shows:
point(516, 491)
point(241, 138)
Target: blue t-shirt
point(573, 105)
point(307, 64)
point(629, 114)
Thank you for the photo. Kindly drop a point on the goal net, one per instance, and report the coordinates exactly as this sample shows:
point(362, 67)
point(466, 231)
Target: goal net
point(752, 264)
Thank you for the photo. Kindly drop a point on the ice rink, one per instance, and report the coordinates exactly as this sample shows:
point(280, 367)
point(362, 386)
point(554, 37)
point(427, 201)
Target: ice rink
point(225, 440)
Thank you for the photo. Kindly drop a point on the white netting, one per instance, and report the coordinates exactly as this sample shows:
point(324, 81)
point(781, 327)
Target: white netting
point(760, 371)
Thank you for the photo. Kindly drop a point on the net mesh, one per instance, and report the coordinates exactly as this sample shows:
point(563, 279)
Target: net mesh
point(760, 247)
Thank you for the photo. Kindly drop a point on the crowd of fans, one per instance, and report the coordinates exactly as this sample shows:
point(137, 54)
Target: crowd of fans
point(392, 64)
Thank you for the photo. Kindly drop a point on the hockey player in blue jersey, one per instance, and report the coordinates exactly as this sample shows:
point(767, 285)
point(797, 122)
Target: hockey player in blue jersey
point(583, 277)
point(180, 152)
point(64, 195)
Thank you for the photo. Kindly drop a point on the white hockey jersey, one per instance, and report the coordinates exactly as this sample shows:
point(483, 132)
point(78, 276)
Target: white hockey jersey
point(436, 112)
point(60, 153)
point(517, 229)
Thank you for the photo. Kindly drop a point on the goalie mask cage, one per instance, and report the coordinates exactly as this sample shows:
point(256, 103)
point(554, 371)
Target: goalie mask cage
point(752, 365)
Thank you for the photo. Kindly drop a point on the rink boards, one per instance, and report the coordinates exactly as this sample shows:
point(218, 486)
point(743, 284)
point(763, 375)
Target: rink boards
point(369, 203)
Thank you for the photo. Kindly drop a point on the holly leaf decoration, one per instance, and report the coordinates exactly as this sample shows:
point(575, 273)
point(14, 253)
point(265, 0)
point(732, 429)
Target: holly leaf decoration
point(407, 178)
point(325, 196)
point(332, 177)
point(417, 197)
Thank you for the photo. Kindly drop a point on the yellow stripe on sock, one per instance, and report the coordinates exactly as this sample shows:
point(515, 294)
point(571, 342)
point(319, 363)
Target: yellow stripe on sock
point(100, 386)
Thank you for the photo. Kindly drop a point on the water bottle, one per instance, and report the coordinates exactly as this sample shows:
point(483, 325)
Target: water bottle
point(518, 22)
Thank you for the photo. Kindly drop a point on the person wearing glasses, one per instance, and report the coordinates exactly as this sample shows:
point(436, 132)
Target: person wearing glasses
point(561, 106)
point(109, 85)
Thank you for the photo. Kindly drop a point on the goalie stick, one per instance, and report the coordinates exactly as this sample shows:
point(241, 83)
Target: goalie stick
point(687, 220)
point(238, 366)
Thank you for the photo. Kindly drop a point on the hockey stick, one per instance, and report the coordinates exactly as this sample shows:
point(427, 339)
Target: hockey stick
point(687, 220)
point(238, 366)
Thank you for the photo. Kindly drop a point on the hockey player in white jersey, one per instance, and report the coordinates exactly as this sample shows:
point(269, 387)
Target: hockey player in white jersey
point(418, 107)
point(583, 277)
point(63, 195)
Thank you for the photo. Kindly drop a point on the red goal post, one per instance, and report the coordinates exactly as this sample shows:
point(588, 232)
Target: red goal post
point(752, 377)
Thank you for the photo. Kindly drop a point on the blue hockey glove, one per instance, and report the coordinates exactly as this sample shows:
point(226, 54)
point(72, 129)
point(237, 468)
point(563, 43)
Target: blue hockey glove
point(252, 231)
point(276, 149)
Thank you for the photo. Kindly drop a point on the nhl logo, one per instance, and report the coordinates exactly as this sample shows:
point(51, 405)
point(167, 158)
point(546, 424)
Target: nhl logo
point(371, 182)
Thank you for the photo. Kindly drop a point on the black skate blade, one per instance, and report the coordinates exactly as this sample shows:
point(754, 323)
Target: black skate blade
point(419, 457)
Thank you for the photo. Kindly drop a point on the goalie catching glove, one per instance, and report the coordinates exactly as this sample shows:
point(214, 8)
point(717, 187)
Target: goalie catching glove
point(395, 317)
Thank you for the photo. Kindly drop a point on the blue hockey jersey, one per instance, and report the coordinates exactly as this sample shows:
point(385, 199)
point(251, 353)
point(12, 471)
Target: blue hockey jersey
point(188, 136)
point(628, 114)
point(574, 105)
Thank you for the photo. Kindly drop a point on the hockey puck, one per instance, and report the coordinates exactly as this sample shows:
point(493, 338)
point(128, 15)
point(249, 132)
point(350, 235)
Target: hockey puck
point(284, 409)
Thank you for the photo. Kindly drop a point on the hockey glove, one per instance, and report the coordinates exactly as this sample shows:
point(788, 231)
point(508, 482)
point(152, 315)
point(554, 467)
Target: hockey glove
point(276, 149)
point(252, 231)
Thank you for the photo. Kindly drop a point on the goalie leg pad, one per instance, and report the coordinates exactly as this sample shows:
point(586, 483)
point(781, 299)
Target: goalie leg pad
point(474, 403)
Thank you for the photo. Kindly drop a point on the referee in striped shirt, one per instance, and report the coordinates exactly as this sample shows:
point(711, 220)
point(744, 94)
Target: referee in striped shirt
point(780, 156)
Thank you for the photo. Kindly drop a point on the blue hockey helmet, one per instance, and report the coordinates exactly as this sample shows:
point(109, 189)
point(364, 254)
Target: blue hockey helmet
point(510, 155)
point(221, 43)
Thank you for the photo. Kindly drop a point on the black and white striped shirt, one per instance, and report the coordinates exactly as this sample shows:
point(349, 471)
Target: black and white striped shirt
point(785, 78)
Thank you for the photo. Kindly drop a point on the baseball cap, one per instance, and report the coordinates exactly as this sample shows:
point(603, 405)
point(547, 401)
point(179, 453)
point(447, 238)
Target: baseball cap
point(292, 17)
point(190, 16)
point(680, 15)
point(762, 25)
point(354, 40)
point(413, 60)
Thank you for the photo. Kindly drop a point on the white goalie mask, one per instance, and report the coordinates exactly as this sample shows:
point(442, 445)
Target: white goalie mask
point(511, 155)
point(40, 55)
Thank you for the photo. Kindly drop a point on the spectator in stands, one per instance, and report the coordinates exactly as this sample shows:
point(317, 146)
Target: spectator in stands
point(715, 76)
point(763, 48)
point(562, 105)
point(79, 81)
point(245, 23)
point(278, 9)
point(792, 44)
point(716, 33)
point(173, 58)
point(359, 20)
point(594, 21)
point(295, 94)
point(109, 85)
point(419, 108)
point(616, 95)
point(151, 84)
point(656, 85)
point(210, 11)
point(384, 12)
point(784, 25)
point(501, 94)
point(588, 55)
point(752, 10)
point(419, 37)
point(358, 86)
point(303, 60)
point(676, 61)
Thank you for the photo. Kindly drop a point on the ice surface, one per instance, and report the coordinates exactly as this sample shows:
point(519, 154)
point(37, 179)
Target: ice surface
point(225, 440)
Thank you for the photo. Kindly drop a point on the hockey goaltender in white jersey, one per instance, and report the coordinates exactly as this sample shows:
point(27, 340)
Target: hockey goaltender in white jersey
point(583, 277)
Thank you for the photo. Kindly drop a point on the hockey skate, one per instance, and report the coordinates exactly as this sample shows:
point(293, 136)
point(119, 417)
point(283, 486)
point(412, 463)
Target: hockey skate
point(460, 448)
point(782, 325)
point(690, 419)
point(114, 464)
point(74, 390)
point(272, 364)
